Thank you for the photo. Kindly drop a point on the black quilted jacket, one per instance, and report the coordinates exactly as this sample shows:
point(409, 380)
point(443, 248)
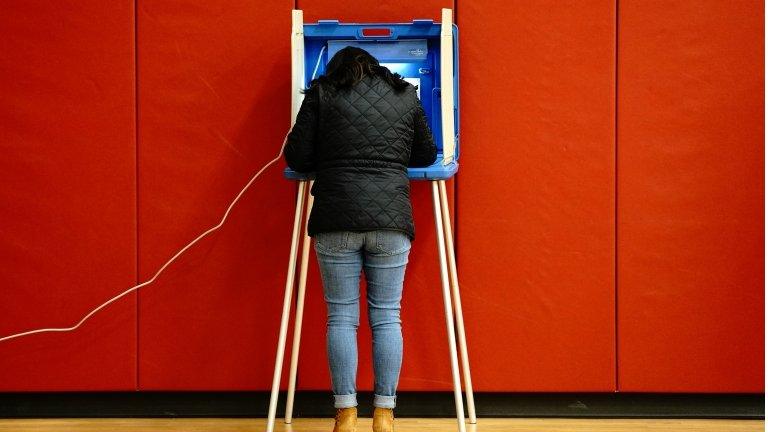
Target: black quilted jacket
point(359, 143)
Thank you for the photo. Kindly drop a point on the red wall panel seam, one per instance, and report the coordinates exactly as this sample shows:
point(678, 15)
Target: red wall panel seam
point(616, 196)
point(136, 166)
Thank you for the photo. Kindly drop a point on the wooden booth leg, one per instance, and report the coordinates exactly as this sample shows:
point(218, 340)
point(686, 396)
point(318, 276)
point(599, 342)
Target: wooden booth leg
point(448, 309)
point(457, 303)
point(307, 241)
point(289, 282)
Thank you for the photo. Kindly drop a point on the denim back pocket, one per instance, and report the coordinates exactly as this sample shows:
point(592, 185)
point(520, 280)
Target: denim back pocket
point(331, 241)
point(392, 242)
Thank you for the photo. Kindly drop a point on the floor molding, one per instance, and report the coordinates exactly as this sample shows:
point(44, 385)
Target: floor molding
point(409, 404)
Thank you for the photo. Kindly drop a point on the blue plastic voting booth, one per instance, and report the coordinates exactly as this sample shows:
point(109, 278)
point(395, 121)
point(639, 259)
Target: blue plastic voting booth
point(414, 51)
point(425, 53)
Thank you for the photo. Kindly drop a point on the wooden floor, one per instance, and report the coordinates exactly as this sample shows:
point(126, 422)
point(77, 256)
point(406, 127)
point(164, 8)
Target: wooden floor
point(364, 424)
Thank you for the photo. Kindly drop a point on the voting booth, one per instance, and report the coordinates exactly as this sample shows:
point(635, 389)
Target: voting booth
point(426, 54)
point(414, 50)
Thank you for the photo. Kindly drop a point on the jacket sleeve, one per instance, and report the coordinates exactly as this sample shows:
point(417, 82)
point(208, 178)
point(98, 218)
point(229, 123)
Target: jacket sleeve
point(300, 146)
point(423, 150)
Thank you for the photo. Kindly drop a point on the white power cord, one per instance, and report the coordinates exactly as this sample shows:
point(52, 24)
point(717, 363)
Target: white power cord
point(184, 249)
point(179, 253)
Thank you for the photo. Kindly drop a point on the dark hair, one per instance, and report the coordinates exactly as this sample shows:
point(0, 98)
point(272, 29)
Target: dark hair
point(349, 65)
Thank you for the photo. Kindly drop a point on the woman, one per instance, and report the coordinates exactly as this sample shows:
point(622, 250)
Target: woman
point(359, 127)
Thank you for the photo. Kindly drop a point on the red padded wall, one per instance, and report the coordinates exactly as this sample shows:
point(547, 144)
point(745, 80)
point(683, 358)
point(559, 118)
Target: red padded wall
point(426, 363)
point(94, 199)
point(691, 207)
point(67, 194)
point(536, 193)
point(214, 107)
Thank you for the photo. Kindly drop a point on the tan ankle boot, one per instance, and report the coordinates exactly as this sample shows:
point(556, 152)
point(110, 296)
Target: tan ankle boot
point(383, 419)
point(346, 420)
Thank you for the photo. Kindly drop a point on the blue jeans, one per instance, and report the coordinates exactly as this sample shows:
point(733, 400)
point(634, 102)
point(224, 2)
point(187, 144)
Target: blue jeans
point(341, 256)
